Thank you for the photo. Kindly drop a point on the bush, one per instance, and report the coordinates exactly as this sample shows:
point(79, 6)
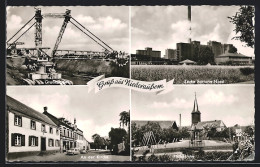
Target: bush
point(247, 71)
point(165, 158)
point(153, 158)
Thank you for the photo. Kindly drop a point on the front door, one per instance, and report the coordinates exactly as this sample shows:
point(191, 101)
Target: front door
point(43, 144)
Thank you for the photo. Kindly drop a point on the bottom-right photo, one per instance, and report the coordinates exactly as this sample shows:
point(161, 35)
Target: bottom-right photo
point(194, 123)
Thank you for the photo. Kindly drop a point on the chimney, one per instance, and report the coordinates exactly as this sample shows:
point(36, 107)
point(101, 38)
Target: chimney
point(189, 19)
point(180, 120)
point(45, 109)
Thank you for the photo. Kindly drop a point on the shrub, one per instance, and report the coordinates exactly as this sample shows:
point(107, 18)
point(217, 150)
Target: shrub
point(247, 71)
point(153, 158)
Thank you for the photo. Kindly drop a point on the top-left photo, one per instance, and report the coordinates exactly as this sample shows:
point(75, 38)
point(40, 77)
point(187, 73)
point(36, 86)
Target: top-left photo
point(66, 45)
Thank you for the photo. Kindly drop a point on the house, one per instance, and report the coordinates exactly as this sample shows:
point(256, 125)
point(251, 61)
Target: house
point(163, 124)
point(29, 132)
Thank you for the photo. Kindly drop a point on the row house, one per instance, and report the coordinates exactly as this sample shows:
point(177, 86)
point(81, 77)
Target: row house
point(29, 132)
point(70, 135)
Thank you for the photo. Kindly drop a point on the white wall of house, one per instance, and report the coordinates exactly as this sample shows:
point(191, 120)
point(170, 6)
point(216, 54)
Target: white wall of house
point(27, 131)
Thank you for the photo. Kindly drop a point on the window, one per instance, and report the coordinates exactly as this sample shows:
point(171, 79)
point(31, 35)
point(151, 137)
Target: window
point(43, 128)
point(57, 131)
point(17, 139)
point(33, 141)
point(17, 120)
point(33, 125)
point(64, 134)
point(57, 143)
point(51, 144)
point(51, 130)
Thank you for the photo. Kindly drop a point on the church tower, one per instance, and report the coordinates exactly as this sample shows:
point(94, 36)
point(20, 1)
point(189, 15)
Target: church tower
point(195, 114)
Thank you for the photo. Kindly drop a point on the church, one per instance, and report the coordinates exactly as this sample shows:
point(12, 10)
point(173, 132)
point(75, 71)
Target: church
point(199, 128)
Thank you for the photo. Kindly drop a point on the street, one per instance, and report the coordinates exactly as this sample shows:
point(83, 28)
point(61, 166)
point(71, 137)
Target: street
point(92, 155)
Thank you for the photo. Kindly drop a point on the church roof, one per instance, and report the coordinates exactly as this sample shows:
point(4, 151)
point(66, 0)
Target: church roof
point(196, 106)
point(214, 123)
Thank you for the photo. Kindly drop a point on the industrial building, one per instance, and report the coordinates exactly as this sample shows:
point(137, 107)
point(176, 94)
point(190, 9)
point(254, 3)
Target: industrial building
point(233, 59)
point(171, 54)
point(29, 132)
point(149, 52)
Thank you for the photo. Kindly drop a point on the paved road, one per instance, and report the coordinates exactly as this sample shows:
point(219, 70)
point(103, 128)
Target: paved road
point(99, 155)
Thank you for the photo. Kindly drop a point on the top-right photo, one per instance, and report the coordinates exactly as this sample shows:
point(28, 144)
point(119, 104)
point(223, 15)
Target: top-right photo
point(193, 44)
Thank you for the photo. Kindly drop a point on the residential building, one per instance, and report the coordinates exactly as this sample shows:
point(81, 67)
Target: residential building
point(70, 135)
point(29, 131)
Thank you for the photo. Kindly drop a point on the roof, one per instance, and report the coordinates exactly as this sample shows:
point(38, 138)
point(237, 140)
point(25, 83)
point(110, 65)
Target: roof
point(18, 107)
point(233, 55)
point(163, 124)
point(56, 120)
point(187, 61)
point(214, 123)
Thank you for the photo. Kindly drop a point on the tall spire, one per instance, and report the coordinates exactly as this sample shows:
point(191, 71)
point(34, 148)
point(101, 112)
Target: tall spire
point(196, 106)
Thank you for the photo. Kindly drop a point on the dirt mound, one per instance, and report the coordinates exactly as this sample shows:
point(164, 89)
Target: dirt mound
point(84, 66)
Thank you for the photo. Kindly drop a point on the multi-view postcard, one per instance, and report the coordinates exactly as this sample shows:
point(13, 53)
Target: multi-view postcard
point(113, 84)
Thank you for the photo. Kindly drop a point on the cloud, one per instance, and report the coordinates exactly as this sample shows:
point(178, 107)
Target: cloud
point(180, 31)
point(176, 103)
point(108, 26)
point(85, 20)
point(212, 97)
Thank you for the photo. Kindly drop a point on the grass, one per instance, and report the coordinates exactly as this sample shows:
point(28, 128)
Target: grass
point(230, 74)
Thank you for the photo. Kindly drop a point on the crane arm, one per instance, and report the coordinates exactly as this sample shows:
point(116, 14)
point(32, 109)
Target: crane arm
point(62, 30)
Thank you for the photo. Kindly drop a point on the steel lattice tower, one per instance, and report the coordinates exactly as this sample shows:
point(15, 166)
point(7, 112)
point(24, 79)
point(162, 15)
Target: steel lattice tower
point(38, 30)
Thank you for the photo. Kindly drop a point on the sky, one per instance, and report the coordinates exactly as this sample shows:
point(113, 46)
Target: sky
point(110, 24)
point(161, 27)
point(233, 104)
point(94, 113)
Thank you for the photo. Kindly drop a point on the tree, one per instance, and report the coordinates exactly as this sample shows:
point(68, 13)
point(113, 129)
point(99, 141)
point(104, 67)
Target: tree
point(117, 135)
point(184, 133)
point(124, 118)
point(249, 130)
point(206, 56)
point(232, 49)
point(98, 141)
point(244, 25)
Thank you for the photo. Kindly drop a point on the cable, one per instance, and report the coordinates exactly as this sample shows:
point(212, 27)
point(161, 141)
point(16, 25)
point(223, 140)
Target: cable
point(22, 34)
point(92, 34)
point(20, 29)
point(88, 36)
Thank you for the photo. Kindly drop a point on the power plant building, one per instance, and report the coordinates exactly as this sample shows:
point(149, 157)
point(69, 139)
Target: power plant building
point(149, 52)
point(171, 54)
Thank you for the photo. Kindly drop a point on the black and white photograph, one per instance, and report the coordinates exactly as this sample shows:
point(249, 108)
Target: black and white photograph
point(193, 44)
point(53, 124)
point(194, 123)
point(66, 45)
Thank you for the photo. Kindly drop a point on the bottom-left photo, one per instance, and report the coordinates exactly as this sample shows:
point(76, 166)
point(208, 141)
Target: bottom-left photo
point(67, 123)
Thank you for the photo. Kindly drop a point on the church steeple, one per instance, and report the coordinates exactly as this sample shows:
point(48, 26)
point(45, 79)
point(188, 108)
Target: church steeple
point(195, 114)
point(196, 106)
